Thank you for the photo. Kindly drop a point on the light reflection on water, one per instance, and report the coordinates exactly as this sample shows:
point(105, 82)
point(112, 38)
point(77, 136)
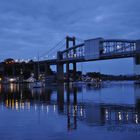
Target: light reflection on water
point(70, 112)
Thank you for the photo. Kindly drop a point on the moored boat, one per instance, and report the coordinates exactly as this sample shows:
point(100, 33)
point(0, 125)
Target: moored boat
point(37, 84)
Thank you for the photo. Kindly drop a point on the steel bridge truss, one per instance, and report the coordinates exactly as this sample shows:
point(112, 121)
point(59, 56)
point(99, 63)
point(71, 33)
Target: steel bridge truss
point(77, 51)
point(117, 46)
point(107, 48)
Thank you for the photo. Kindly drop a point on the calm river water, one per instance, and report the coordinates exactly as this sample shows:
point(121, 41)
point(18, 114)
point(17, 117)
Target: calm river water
point(70, 112)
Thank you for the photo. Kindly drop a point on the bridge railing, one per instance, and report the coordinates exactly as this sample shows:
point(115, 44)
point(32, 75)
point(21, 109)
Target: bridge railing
point(117, 46)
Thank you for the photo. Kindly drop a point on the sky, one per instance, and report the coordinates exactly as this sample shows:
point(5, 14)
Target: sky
point(31, 26)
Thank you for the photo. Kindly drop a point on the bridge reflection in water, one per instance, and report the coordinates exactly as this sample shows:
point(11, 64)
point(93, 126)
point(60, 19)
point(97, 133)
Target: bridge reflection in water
point(69, 101)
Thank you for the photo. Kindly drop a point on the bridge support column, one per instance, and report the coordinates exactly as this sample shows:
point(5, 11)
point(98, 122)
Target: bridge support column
point(49, 77)
point(60, 72)
point(137, 65)
point(47, 70)
point(137, 59)
point(74, 71)
point(67, 71)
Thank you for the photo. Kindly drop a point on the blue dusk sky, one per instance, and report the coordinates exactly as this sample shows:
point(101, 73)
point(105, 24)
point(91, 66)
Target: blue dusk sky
point(29, 26)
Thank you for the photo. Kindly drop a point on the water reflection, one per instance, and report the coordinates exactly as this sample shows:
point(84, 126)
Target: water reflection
point(73, 103)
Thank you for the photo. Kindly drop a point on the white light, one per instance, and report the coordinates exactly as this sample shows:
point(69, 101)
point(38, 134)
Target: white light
point(81, 112)
point(35, 107)
point(12, 79)
point(54, 108)
point(118, 47)
point(127, 117)
point(47, 109)
point(120, 116)
point(136, 118)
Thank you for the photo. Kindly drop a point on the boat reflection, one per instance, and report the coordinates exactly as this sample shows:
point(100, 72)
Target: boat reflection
point(68, 102)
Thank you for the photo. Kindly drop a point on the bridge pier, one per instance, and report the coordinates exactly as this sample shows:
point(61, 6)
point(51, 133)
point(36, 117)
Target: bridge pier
point(60, 72)
point(60, 68)
point(47, 69)
point(137, 65)
point(67, 71)
point(74, 71)
point(49, 77)
point(137, 59)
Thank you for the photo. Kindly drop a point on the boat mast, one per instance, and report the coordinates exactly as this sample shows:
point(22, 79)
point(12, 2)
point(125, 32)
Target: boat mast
point(38, 66)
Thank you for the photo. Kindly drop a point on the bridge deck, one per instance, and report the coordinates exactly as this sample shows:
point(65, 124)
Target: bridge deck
point(102, 57)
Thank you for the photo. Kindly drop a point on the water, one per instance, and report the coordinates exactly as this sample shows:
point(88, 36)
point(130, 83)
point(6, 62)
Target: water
point(70, 112)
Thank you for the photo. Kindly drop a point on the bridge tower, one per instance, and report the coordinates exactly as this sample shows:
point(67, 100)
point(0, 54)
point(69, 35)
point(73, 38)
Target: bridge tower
point(137, 59)
point(68, 41)
point(60, 70)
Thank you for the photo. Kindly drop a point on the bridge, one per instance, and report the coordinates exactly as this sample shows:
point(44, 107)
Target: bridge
point(96, 49)
point(89, 50)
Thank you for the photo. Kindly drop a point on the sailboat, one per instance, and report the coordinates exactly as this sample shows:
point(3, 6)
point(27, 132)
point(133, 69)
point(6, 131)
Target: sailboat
point(37, 83)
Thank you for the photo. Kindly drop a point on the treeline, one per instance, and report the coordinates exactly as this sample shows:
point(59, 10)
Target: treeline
point(112, 77)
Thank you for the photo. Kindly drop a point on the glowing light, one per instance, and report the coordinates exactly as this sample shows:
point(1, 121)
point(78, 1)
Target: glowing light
point(118, 47)
point(16, 105)
point(54, 108)
point(136, 119)
point(47, 109)
point(127, 116)
point(12, 80)
point(28, 105)
point(120, 116)
point(106, 112)
point(35, 107)
point(81, 112)
point(22, 105)
point(13, 104)
point(7, 103)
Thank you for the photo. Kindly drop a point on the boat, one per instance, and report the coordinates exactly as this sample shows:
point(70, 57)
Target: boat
point(95, 83)
point(37, 83)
